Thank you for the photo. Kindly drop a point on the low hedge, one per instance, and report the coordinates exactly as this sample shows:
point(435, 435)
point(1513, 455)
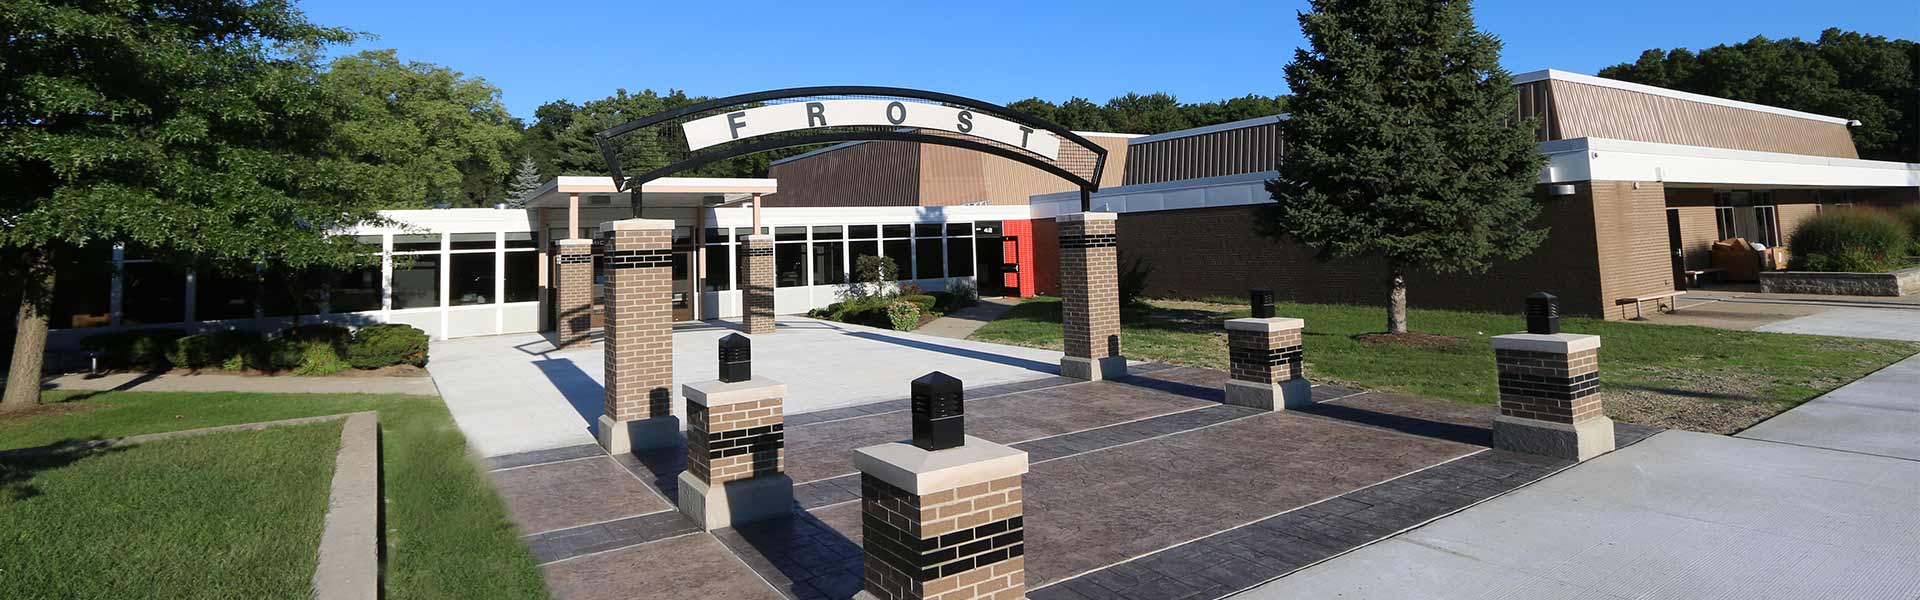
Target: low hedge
point(925, 302)
point(302, 349)
point(382, 345)
point(1865, 241)
point(144, 349)
point(230, 349)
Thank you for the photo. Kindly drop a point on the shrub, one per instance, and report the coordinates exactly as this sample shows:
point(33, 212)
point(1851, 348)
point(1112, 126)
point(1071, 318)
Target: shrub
point(382, 345)
point(1911, 217)
point(224, 349)
point(1133, 280)
point(138, 349)
point(1850, 241)
point(904, 316)
point(964, 293)
point(924, 302)
point(869, 274)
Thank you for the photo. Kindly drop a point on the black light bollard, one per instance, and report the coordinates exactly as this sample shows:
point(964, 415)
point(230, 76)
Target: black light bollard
point(1543, 313)
point(1262, 299)
point(938, 413)
point(736, 358)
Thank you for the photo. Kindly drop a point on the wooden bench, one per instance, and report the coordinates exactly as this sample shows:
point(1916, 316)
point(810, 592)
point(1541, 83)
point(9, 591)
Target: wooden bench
point(1693, 275)
point(1659, 299)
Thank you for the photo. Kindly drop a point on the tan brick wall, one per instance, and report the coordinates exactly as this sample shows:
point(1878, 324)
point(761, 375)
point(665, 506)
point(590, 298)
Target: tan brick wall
point(1549, 386)
point(573, 267)
point(1089, 288)
point(639, 324)
point(1630, 228)
point(736, 441)
point(757, 299)
point(1264, 356)
point(907, 539)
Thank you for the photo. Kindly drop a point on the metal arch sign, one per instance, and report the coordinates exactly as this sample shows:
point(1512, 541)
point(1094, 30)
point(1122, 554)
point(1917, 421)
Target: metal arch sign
point(779, 118)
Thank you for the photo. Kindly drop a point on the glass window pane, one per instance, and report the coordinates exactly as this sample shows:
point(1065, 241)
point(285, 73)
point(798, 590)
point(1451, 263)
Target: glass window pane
point(857, 249)
point(416, 281)
point(926, 230)
point(682, 235)
point(863, 232)
point(472, 279)
point(926, 263)
point(220, 294)
point(789, 234)
point(826, 232)
point(959, 229)
point(959, 257)
point(521, 239)
point(715, 235)
point(896, 231)
point(472, 241)
point(416, 242)
point(523, 276)
point(357, 290)
point(742, 232)
point(718, 275)
point(152, 293)
point(828, 265)
point(287, 292)
point(789, 265)
point(901, 252)
point(82, 290)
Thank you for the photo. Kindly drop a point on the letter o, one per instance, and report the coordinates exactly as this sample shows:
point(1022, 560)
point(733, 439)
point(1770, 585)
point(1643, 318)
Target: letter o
point(890, 112)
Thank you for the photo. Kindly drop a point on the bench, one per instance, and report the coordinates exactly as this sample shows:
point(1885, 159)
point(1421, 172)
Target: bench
point(1659, 299)
point(1693, 275)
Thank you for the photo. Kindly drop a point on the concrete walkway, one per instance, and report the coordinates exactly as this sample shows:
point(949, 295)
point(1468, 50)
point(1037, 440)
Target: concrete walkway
point(514, 393)
point(1842, 316)
point(144, 382)
point(1876, 323)
point(962, 323)
point(1818, 502)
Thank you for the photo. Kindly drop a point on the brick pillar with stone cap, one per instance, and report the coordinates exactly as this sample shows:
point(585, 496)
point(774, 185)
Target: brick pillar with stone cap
point(1549, 402)
point(1267, 370)
point(756, 299)
point(638, 337)
point(573, 297)
point(942, 524)
point(1090, 296)
point(736, 453)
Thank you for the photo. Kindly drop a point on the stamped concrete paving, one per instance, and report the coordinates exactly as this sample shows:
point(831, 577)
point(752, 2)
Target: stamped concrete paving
point(1142, 488)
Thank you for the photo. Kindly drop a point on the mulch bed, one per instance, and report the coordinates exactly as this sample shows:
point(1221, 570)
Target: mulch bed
point(1411, 339)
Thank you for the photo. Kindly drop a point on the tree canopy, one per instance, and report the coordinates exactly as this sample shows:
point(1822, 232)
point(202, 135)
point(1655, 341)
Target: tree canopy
point(1400, 144)
point(1845, 74)
point(560, 141)
point(435, 135)
point(1149, 113)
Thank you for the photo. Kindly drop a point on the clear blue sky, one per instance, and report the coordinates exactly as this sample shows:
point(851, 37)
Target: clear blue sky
point(1005, 51)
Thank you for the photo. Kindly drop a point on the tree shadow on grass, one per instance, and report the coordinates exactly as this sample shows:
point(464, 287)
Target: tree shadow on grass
point(19, 467)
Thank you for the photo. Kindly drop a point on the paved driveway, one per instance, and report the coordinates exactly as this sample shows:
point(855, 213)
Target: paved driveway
point(514, 393)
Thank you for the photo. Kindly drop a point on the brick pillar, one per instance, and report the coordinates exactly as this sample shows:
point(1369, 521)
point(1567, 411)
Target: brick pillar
point(1090, 296)
point(638, 336)
point(736, 456)
point(1548, 396)
point(756, 302)
point(1267, 370)
point(945, 524)
point(573, 268)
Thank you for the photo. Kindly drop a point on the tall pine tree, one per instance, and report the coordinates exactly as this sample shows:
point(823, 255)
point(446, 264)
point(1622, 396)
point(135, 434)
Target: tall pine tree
point(1402, 144)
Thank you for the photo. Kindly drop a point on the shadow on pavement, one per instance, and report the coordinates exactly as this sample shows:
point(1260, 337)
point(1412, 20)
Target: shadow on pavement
point(585, 395)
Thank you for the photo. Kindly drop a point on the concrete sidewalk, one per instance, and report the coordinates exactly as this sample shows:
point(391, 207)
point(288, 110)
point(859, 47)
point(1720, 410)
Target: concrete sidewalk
point(1879, 415)
point(962, 323)
point(213, 382)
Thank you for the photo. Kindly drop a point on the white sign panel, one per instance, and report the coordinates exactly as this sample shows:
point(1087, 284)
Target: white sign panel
point(723, 128)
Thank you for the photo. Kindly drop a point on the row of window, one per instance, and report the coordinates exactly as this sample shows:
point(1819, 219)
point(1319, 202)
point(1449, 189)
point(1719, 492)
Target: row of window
point(827, 254)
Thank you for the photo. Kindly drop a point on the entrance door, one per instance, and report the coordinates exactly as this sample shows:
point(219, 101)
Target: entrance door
point(1676, 249)
point(990, 263)
point(682, 299)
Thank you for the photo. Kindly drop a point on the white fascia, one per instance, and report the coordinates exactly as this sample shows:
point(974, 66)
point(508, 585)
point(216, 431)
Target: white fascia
point(1601, 159)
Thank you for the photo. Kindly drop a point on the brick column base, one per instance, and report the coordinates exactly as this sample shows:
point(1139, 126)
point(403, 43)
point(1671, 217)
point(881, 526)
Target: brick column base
point(573, 296)
point(1548, 396)
point(638, 337)
point(1090, 296)
point(736, 453)
point(1267, 370)
point(946, 524)
point(756, 299)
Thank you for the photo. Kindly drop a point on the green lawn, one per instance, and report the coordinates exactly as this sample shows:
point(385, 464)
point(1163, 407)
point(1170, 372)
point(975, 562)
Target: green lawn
point(1673, 376)
point(230, 515)
point(447, 533)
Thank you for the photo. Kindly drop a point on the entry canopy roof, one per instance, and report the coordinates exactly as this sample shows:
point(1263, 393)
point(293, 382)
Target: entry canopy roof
point(662, 192)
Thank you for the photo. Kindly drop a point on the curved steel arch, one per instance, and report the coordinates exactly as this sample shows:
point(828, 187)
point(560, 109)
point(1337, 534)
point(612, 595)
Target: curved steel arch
point(605, 139)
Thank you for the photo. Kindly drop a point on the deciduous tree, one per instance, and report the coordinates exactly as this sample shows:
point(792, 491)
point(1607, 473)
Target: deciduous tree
point(435, 135)
point(1402, 146)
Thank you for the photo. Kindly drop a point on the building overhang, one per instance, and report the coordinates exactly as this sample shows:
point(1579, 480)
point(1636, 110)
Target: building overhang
point(662, 192)
point(1600, 159)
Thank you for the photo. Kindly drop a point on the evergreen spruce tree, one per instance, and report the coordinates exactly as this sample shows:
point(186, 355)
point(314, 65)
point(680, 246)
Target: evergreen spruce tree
point(1402, 144)
point(526, 179)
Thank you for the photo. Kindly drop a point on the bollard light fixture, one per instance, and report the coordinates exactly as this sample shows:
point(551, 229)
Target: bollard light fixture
point(1543, 313)
point(1262, 300)
point(736, 358)
point(938, 412)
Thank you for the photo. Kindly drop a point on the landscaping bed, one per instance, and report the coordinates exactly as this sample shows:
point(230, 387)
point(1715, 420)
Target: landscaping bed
point(1890, 284)
point(307, 350)
point(447, 534)
point(1695, 378)
point(225, 515)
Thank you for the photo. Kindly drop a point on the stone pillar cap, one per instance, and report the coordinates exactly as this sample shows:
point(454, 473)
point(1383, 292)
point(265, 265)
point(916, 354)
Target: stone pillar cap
point(720, 393)
point(1560, 343)
point(921, 472)
point(1088, 216)
point(575, 242)
point(1269, 324)
point(760, 237)
point(637, 225)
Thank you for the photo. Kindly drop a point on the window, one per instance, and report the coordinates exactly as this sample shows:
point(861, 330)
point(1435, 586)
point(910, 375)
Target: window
point(416, 242)
point(901, 253)
point(927, 258)
point(719, 269)
point(523, 276)
point(471, 241)
point(521, 240)
point(222, 294)
point(152, 293)
point(926, 230)
point(789, 234)
point(959, 257)
point(83, 291)
point(896, 231)
point(863, 232)
point(789, 265)
point(829, 256)
point(286, 292)
point(356, 290)
point(859, 248)
point(416, 281)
